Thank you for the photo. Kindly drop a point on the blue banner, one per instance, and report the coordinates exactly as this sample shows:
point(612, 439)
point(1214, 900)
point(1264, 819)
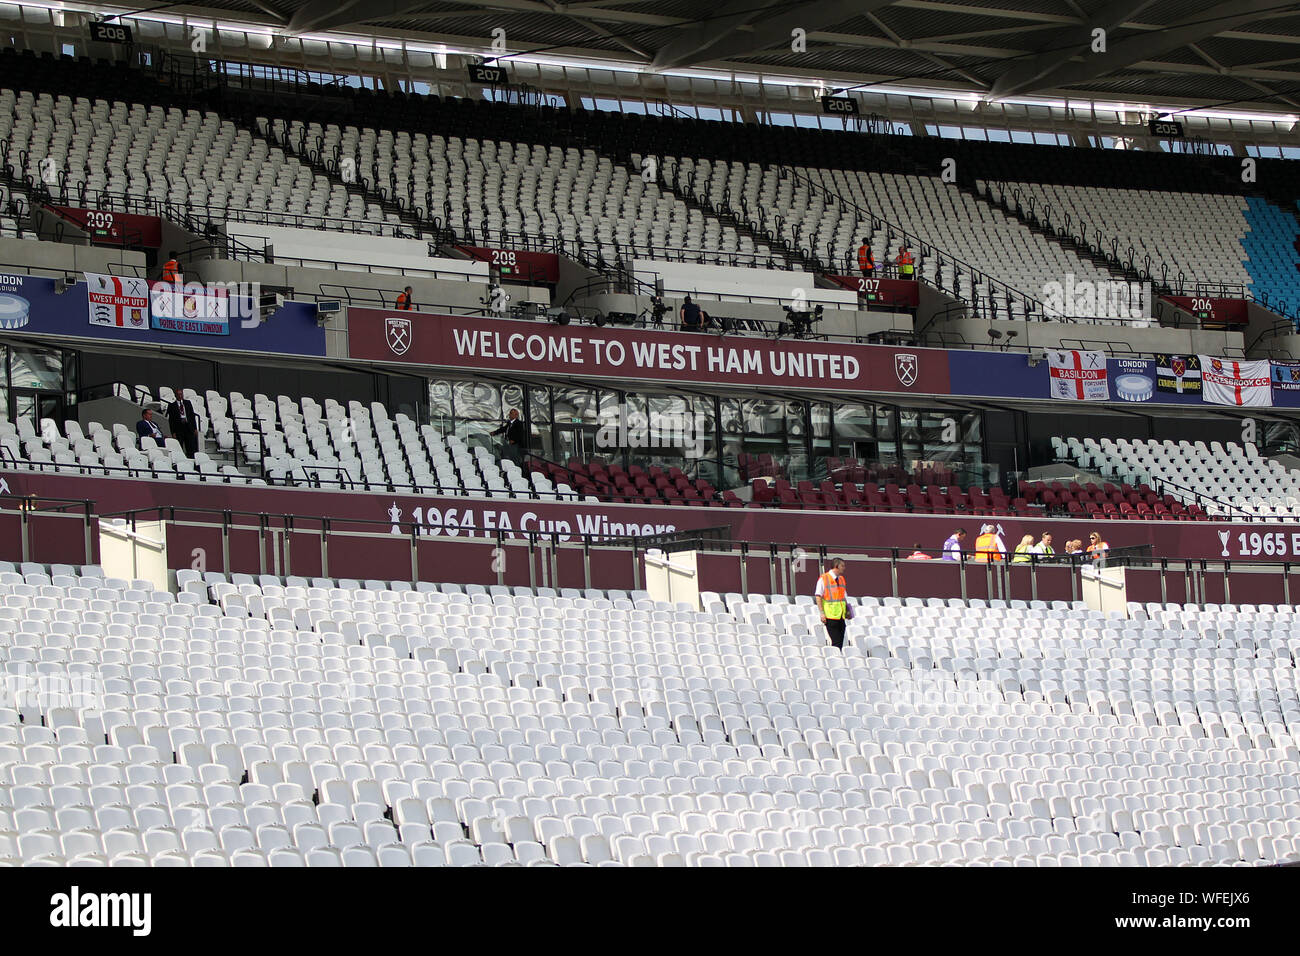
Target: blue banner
point(196, 308)
point(29, 304)
point(1139, 381)
point(1286, 384)
point(1001, 374)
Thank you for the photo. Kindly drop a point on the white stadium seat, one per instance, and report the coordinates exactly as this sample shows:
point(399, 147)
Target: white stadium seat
point(598, 736)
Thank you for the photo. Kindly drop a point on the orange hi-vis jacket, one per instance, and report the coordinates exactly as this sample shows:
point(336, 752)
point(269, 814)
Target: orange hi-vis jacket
point(986, 548)
point(170, 269)
point(865, 259)
point(834, 596)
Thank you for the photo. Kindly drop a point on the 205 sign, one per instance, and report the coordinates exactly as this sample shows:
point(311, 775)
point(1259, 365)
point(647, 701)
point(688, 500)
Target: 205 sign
point(105, 32)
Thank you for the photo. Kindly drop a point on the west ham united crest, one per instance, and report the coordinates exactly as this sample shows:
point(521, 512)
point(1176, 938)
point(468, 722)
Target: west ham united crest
point(905, 367)
point(398, 333)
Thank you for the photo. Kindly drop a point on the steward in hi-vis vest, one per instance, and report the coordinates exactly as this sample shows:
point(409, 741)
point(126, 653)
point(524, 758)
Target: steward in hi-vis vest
point(833, 602)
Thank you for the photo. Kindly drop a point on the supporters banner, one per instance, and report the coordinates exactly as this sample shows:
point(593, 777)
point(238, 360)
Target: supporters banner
point(1286, 384)
point(583, 352)
point(1078, 376)
point(1236, 382)
point(1132, 380)
point(189, 307)
point(1286, 376)
point(117, 301)
point(1178, 374)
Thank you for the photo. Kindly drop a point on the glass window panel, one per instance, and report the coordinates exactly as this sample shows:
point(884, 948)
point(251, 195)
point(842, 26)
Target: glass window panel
point(575, 406)
point(36, 368)
point(440, 399)
point(477, 401)
point(539, 404)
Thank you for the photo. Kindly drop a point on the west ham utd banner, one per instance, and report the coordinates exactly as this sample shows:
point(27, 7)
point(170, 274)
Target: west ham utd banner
point(1236, 381)
point(191, 307)
point(1078, 376)
point(118, 301)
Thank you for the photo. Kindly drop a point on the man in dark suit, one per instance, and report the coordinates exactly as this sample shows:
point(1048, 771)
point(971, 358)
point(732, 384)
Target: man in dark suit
point(516, 438)
point(184, 426)
point(148, 431)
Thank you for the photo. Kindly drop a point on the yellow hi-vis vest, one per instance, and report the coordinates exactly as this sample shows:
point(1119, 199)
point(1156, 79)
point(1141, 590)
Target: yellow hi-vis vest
point(834, 596)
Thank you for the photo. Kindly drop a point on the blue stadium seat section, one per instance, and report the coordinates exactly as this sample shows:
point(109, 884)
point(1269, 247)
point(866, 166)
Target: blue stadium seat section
point(1271, 256)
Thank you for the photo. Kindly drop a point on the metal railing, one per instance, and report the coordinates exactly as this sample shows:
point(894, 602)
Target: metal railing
point(994, 304)
point(329, 547)
point(33, 510)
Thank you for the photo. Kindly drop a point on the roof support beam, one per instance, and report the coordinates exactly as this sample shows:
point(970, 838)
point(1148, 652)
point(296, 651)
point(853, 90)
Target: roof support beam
point(738, 29)
point(1127, 51)
point(1018, 77)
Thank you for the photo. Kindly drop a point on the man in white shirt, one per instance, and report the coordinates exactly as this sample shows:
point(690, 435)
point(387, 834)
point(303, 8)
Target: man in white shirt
point(1044, 546)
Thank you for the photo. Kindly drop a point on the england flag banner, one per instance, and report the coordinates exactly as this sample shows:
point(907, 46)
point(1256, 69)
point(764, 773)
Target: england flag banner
point(1236, 382)
point(118, 301)
point(1078, 376)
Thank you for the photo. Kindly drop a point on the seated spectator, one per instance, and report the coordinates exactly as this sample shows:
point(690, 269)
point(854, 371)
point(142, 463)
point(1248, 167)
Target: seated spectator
point(1024, 551)
point(919, 555)
point(148, 431)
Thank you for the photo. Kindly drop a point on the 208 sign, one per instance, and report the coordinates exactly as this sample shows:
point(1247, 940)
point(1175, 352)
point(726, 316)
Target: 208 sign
point(105, 32)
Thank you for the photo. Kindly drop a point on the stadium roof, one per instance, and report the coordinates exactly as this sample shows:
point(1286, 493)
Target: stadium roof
point(1243, 52)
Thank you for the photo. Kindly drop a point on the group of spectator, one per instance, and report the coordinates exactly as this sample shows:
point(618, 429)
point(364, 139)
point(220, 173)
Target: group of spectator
point(181, 422)
point(990, 548)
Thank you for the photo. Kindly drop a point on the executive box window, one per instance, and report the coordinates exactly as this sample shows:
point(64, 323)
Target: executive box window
point(671, 431)
point(854, 431)
point(36, 368)
point(946, 441)
point(760, 437)
point(469, 410)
